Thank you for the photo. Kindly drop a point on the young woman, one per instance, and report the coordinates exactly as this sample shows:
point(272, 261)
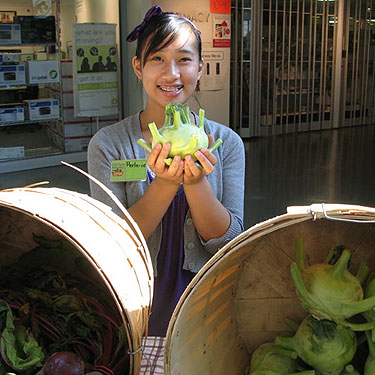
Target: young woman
point(185, 213)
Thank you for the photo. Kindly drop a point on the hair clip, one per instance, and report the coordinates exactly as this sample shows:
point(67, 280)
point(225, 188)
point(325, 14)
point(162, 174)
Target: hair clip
point(152, 12)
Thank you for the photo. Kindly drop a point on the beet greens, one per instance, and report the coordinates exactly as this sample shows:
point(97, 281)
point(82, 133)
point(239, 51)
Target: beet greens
point(50, 302)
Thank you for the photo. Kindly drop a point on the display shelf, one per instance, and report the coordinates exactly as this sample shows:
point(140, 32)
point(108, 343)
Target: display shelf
point(24, 86)
point(25, 122)
point(28, 45)
point(42, 162)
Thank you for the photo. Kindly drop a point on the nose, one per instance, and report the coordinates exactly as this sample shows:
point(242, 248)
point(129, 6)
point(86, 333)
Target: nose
point(171, 70)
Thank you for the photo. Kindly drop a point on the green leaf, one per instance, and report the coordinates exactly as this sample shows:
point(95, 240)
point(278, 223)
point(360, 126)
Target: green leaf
point(18, 345)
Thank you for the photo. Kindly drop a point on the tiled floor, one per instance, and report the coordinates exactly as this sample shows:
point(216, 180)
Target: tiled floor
point(331, 166)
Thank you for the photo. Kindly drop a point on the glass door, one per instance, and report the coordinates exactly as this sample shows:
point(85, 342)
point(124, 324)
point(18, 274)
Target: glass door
point(282, 64)
point(358, 96)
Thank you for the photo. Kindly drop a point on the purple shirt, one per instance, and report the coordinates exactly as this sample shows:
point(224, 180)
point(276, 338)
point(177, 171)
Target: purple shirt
point(171, 279)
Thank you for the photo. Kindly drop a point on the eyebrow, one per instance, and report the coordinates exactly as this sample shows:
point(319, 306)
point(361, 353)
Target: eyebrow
point(185, 50)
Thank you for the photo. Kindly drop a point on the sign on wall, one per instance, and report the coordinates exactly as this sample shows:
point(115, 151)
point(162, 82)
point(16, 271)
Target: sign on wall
point(95, 69)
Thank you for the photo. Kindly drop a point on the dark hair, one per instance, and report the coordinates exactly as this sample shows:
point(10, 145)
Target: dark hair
point(161, 31)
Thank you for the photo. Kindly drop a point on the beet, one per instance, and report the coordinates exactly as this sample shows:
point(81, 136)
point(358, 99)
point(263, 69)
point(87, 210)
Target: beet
point(64, 363)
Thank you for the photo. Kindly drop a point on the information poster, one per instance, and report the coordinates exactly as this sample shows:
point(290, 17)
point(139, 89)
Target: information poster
point(221, 31)
point(95, 70)
point(215, 70)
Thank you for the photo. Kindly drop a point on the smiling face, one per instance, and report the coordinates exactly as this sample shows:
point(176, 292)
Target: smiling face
point(170, 74)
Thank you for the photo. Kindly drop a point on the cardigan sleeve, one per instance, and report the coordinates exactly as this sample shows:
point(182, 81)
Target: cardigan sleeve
point(232, 188)
point(101, 152)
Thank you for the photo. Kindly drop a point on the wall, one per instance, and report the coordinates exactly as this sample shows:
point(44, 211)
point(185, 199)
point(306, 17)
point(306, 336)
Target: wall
point(131, 14)
point(96, 11)
point(67, 17)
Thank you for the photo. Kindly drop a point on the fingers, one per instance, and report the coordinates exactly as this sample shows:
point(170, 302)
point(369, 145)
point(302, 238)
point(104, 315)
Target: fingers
point(157, 156)
point(204, 155)
point(188, 169)
point(156, 161)
point(206, 159)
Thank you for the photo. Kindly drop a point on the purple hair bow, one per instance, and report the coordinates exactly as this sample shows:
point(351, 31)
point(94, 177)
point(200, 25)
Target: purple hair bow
point(152, 12)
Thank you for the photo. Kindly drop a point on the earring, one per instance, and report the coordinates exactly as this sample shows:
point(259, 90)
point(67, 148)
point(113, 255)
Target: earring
point(198, 85)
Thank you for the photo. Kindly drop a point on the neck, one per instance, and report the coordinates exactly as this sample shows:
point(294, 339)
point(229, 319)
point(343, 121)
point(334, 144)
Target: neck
point(148, 116)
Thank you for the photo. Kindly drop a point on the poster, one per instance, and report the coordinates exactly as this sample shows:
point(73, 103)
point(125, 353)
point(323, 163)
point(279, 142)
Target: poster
point(221, 31)
point(42, 7)
point(215, 70)
point(95, 75)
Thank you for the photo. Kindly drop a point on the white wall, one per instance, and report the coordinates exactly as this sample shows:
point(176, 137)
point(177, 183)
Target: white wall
point(67, 17)
point(96, 11)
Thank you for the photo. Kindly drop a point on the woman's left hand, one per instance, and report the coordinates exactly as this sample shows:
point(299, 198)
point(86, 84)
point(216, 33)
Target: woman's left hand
point(192, 172)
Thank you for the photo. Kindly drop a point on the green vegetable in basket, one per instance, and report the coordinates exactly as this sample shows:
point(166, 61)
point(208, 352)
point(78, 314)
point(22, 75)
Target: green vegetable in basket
point(369, 291)
point(322, 344)
point(185, 138)
point(19, 349)
point(350, 370)
point(271, 359)
point(370, 361)
point(330, 291)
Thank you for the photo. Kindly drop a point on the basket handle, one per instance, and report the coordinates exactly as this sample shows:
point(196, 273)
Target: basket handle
point(342, 219)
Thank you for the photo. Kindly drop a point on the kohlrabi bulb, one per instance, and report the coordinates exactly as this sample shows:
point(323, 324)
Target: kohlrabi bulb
point(184, 137)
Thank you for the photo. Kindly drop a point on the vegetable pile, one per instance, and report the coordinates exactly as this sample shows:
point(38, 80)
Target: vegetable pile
point(55, 318)
point(337, 335)
point(185, 138)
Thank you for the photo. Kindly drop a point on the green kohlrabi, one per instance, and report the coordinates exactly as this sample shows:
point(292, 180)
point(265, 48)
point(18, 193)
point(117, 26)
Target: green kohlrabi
point(369, 291)
point(322, 344)
point(271, 359)
point(330, 291)
point(185, 138)
point(370, 361)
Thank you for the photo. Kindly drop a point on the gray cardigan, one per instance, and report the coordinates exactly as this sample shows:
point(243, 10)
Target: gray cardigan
point(118, 142)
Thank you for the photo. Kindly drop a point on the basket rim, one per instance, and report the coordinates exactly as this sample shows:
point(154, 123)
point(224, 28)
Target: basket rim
point(14, 199)
point(294, 215)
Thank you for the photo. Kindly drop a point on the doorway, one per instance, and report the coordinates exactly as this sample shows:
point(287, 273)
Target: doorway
point(301, 65)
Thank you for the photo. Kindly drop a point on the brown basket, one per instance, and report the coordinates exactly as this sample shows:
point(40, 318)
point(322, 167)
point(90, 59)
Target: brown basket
point(240, 298)
point(114, 247)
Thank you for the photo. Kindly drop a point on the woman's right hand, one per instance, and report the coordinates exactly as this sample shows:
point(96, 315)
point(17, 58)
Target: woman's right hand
point(172, 174)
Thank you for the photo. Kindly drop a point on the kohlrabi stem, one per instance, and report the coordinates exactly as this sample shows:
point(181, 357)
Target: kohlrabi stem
point(215, 145)
point(363, 273)
point(285, 352)
point(285, 342)
point(357, 327)
point(330, 255)
point(356, 307)
point(144, 144)
point(300, 286)
point(201, 118)
point(156, 136)
point(339, 268)
point(291, 323)
point(176, 120)
point(185, 115)
point(300, 253)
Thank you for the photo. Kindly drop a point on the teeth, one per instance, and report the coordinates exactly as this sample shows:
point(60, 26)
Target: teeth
point(170, 89)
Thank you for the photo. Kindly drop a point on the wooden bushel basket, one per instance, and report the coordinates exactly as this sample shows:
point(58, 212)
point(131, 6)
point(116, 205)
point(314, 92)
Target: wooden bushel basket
point(240, 298)
point(114, 247)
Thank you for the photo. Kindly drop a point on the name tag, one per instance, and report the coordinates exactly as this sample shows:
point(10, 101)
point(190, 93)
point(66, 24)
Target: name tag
point(128, 170)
